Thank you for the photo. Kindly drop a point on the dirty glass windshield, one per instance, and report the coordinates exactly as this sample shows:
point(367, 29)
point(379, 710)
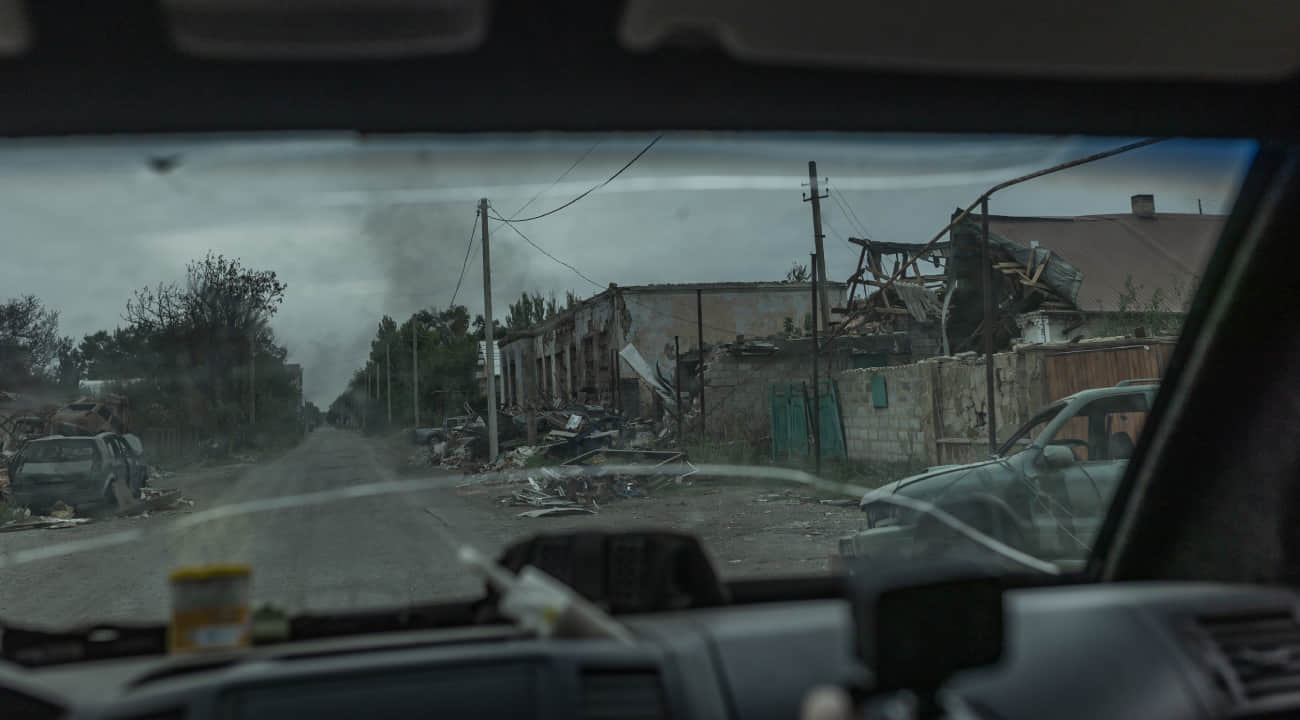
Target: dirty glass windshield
point(343, 355)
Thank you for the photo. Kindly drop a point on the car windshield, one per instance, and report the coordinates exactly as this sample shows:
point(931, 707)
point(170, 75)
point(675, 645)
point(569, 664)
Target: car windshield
point(59, 451)
point(1030, 430)
point(343, 354)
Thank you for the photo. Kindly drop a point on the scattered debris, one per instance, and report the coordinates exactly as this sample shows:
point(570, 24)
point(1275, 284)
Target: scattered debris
point(43, 523)
point(552, 512)
point(601, 475)
point(61, 511)
point(153, 499)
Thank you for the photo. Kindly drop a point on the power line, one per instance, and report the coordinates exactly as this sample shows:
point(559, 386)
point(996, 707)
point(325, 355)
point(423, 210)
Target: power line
point(465, 263)
point(840, 235)
point(847, 209)
point(580, 274)
point(593, 188)
point(556, 181)
point(541, 250)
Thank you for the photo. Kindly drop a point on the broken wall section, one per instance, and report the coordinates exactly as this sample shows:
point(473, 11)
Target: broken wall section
point(739, 376)
point(936, 411)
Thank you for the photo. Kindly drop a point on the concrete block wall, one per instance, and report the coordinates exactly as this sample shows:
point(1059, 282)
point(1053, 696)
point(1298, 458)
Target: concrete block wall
point(738, 394)
point(901, 432)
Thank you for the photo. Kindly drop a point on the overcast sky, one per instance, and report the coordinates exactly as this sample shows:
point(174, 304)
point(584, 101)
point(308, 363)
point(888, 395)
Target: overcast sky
point(359, 228)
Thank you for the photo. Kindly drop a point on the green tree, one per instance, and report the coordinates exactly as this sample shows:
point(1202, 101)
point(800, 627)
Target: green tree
point(207, 345)
point(447, 348)
point(798, 273)
point(32, 353)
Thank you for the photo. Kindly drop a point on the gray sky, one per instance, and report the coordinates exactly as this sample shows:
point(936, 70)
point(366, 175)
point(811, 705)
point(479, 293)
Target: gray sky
point(362, 228)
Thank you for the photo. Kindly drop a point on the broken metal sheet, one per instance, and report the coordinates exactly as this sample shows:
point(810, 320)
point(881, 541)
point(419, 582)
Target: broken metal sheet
point(574, 422)
point(642, 369)
point(43, 523)
point(556, 511)
point(1063, 278)
point(922, 303)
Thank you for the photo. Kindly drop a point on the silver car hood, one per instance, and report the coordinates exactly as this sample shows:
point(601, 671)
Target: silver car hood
point(931, 472)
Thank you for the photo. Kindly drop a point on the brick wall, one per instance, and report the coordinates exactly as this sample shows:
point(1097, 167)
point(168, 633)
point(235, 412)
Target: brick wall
point(901, 432)
point(737, 395)
point(938, 408)
point(738, 388)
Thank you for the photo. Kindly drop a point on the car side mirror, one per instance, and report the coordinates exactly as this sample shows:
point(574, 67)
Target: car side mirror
point(1058, 456)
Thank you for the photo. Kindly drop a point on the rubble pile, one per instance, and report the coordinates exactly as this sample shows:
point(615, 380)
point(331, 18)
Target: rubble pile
point(580, 485)
point(572, 430)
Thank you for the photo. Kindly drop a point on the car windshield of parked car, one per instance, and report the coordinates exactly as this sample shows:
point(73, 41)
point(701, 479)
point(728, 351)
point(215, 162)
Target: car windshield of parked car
point(1030, 430)
point(346, 354)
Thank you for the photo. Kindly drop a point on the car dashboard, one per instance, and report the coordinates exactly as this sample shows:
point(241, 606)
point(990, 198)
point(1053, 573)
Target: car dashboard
point(1138, 650)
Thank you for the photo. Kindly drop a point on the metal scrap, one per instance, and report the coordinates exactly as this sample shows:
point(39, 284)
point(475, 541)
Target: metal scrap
point(552, 512)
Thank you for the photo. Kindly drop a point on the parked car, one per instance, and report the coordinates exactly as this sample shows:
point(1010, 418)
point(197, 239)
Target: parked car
point(133, 453)
point(1044, 492)
point(79, 471)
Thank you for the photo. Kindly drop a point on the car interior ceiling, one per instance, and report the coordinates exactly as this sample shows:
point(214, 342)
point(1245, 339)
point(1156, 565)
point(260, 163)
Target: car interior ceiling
point(1186, 509)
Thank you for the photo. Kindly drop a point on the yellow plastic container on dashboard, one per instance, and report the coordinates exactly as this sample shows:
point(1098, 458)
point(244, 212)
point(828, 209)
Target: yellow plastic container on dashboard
point(210, 608)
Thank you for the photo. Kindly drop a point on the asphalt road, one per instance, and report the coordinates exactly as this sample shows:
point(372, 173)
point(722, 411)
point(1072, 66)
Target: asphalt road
point(363, 551)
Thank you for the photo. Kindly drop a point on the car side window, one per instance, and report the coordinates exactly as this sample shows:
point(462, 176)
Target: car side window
point(1104, 429)
point(1074, 435)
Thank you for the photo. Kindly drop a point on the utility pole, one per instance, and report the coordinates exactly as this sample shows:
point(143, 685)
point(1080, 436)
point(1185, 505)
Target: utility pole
point(818, 274)
point(986, 273)
point(817, 387)
point(677, 382)
point(388, 374)
point(489, 361)
point(699, 329)
point(252, 381)
point(415, 375)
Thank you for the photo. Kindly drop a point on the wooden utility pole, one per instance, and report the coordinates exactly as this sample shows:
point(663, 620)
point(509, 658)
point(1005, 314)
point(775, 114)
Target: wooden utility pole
point(818, 274)
point(986, 273)
point(699, 329)
point(415, 374)
point(489, 360)
point(677, 383)
point(817, 386)
point(388, 375)
point(252, 381)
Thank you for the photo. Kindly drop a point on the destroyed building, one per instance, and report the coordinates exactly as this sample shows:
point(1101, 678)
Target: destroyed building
point(1056, 279)
point(610, 348)
point(480, 375)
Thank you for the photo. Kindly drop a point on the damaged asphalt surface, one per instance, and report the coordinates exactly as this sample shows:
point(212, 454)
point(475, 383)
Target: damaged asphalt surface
point(381, 551)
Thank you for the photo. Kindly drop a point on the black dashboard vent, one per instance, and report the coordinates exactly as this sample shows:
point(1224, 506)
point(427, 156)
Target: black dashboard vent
point(622, 694)
point(1262, 652)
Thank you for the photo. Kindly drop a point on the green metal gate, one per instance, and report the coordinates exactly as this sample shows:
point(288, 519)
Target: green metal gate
point(792, 408)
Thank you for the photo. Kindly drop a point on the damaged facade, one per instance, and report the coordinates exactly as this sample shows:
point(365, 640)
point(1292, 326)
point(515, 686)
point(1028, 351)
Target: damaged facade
point(575, 356)
point(1055, 279)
